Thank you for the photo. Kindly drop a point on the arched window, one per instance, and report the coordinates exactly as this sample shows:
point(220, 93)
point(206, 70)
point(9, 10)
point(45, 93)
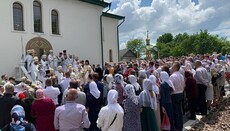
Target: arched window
point(18, 16)
point(110, 55)
point(55, 22)
point(37, 16)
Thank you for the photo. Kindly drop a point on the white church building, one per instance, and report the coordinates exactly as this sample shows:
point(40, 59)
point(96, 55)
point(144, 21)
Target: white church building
point(82, 27)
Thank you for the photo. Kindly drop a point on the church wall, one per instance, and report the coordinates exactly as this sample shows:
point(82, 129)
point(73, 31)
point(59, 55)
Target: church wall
point(79, 24)
point(110, 39)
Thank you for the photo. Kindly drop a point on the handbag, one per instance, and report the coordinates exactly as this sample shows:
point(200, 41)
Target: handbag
point(165, 125)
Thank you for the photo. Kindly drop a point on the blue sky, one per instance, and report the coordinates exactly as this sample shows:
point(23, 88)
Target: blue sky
point(146, 2)
point(173, 16)
point(143, 3)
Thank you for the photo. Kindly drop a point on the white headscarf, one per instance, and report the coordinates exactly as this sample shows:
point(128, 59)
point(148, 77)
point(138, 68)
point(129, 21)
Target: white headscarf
point(94, 90)
point(112, 101)
point(165, 78)
point(188, 67)
point(146, 99)
point(129, 91)
point(119, 79)
point(153, 80)
point(109, 80)
point(157, 72)
point(142, 74)
point(133, 81)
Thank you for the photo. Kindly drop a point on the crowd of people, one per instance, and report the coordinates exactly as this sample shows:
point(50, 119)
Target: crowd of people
point(72, 95)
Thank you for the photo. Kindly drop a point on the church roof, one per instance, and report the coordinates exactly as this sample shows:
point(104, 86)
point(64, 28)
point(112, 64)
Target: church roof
point(113, 16)
point(97, 2)
point(126, 53)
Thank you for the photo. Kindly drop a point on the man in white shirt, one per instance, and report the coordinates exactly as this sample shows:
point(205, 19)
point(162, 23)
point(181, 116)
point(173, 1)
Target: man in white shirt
point(71, 116)
point(177, 96)
point(65, 83)
point(202, 80)
point(51, 92)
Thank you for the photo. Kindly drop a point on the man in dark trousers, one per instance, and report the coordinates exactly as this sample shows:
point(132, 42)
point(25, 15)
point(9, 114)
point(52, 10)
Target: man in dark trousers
point(177, 95)
point(202, 80)
point(7, 101)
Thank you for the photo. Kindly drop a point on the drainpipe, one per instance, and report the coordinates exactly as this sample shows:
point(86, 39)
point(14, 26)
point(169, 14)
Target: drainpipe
point(118, 45)
point(102, 47)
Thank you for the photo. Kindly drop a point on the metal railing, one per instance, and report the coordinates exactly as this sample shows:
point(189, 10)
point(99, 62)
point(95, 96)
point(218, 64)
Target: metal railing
point(21, 71)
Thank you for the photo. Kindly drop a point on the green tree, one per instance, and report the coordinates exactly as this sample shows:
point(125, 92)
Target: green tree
point(225, 46)
point(183, 45)
point(199, 43)
point(165, 38)
point(164, 49)
point(136, 45)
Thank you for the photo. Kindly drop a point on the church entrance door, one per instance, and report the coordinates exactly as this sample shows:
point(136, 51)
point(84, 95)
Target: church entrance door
point(39, 45)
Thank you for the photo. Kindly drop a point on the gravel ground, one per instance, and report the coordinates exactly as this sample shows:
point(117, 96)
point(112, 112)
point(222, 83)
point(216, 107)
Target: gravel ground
point(217, 120)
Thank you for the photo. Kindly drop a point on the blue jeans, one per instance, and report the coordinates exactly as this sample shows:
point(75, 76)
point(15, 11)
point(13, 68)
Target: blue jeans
point(177, 100)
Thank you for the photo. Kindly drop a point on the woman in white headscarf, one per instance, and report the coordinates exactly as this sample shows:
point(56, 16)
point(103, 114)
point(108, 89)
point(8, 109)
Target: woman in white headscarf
point(133, 80)
point(108, 84)
point(153, 80)
point(141, 76)
point(110, 117)
point(149, 105)
point(156, 91)
point(165, 78)
point(93, 103)
point(119, 86)
point(166, 88)
point(132, 110)
point(119, 79)
point(188, 67)
point(109, 80)
point(94, 89)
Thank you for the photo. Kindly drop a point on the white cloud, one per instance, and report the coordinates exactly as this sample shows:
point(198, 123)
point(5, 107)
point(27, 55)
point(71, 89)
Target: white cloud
point(170, 16)
point(223, 29)
point(123, 45)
